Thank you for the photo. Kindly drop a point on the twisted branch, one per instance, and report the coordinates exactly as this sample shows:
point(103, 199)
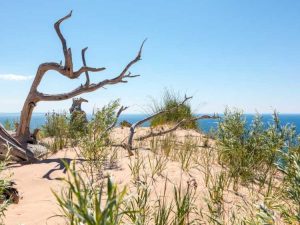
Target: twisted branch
point(122, 109)
point(84, 63)
point(175, 127)
point(67, 51)
point(129, 145)
point(34, 96)
point(92, 87)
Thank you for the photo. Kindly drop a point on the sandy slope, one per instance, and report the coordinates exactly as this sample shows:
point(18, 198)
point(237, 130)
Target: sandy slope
point(35, 182)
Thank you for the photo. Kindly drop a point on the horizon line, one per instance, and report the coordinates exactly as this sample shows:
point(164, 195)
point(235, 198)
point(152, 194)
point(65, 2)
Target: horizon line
point(263, 113)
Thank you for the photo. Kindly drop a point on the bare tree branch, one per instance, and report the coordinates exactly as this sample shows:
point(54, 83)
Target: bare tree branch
point(67, 70)
point(129, 145)
point(85, 69)
point(67, 52)
point(84, 63)
point(34, 96)
point(122, 109)
point(175, 127)
point(16, 150)
point(92, 87)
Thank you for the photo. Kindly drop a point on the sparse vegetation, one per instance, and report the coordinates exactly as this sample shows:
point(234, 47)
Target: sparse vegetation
point(78, 125)
point(83, 204)
point(160, 169)
point(250, 153)
point(291, 182)
point(175, 111)
point(250, 174)
point(94, 144)
point(5, 185)
point(125, 123)
point(8, 125)
point(57, 128)
point(249, 158)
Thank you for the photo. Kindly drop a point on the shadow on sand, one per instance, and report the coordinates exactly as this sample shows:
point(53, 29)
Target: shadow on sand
point(61, 164)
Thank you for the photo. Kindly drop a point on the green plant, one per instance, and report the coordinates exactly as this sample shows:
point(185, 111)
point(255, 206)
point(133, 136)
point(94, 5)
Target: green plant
point(5, 183)
point(157, 164)
point(175, 111)
point(185, 153)
point(184, 205)
point(291, 180)
point(56, 124)
point(250, 152)
point(163, 209)
point(95, 154)
point(8, 125)
point(167, 145)
point(137, 207)
point(135, 166)
point(125, 123)
point(78, 125)
point(94, 145)
point(102, 119)
point(205, 163)
point(83, 204)
point(57, 128)
point(215, 199)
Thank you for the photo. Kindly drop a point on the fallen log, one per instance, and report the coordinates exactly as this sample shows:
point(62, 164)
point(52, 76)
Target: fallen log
point(17, 151)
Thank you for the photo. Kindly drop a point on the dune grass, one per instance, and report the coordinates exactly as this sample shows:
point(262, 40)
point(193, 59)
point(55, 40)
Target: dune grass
point(171, 102)
point(250, 176)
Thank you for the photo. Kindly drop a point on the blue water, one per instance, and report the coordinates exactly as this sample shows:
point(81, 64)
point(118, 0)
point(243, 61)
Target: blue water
point(38, 119)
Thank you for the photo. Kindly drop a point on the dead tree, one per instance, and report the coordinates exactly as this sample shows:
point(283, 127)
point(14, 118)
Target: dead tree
point(67, 70)
point(129, 145)
point(7, 142)
point(76, 105)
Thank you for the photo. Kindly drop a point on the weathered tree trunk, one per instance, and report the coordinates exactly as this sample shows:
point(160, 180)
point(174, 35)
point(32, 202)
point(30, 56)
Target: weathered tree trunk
point(17, 151)
point(23, 131)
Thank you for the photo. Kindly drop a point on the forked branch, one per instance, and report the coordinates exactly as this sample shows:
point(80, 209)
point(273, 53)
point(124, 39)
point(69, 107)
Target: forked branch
point(66, 69)
point(67, 51)
point(87, 83)
point(122, 109)
point(129, 145)
point(92, 87)
point(175, 127)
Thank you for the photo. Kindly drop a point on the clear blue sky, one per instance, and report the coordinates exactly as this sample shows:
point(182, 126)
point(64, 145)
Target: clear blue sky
point(243, 54)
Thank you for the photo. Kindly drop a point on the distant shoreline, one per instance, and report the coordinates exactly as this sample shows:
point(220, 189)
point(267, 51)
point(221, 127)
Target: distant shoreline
point(43, 113)
point(39, 119)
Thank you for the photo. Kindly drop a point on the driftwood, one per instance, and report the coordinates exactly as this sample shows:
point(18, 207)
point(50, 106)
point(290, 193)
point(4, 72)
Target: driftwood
point(129, 145)
point(19, 144)
point(122, 109)
point(175, 127)
point(66, 70)
point(17, 151)
point(76, 105)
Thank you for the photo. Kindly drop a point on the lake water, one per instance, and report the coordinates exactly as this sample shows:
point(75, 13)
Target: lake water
point(38, 119)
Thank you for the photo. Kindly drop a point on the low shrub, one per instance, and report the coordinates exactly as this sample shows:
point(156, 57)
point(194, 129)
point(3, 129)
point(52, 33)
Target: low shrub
point(56, 127)
point(291, 181)
point(78, 124)
point(94, 144)
point(5, 185)
point(250, 152)
point(175, 111)
point(8, 125)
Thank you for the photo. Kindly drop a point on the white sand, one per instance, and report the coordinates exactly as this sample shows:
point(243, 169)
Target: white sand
point(35, 183)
